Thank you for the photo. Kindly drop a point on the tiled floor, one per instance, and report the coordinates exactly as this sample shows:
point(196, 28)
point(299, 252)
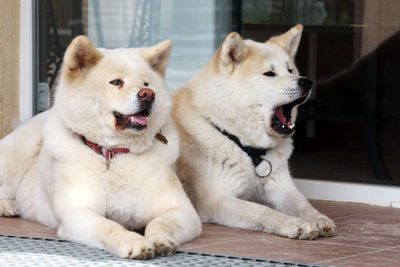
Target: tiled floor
point(367, 236)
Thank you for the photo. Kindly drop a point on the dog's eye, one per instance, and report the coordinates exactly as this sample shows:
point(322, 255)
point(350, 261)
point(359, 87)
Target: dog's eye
point(117, 82)
point(290, 70)
point(146, 84)
point(269, 73)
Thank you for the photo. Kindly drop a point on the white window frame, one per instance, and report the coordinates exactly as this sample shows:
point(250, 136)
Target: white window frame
point(312, 189)
point(26, 58)
point(381, 195)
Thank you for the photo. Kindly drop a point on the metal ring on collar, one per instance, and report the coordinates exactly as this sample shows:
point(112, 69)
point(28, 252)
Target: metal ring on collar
point(258, 169)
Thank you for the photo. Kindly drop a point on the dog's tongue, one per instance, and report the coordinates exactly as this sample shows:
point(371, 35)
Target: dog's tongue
point(281, 116)
point(140, 119)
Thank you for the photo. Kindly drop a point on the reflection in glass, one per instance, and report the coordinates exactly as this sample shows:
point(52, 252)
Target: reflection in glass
point(347, 132)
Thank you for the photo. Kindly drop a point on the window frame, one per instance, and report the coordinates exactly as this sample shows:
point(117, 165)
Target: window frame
point(27, 59)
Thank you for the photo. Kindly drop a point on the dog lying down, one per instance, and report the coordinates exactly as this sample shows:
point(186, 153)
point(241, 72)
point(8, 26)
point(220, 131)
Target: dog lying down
point(235, 118)
point(98, 163)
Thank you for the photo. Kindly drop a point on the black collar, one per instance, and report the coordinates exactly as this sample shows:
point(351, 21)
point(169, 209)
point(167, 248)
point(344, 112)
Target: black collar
point(253, 152)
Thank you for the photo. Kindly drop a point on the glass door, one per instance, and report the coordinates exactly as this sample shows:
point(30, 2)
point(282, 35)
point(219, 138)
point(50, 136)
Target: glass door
point(350, 48)
point(348, 131)
point(196, 28)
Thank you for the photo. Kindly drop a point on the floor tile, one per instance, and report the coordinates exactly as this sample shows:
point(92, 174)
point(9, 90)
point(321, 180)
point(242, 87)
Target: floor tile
point(282, 249)
point(380, 258)
point(20, 227)
point(214, 234)
point(367, 236)
point(385, 220)
point(335, 210)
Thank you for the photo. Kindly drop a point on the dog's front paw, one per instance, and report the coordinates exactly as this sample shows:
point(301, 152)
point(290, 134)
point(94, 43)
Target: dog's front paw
point(163, 244)
point(7, 208)
point(325, 225)
point(298, 229)
point(135, 247)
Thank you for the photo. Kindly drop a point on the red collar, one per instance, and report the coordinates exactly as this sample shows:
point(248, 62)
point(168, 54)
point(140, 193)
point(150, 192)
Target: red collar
point(108, 153)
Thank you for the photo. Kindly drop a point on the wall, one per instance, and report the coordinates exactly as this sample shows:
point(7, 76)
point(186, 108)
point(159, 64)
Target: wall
point(9, 65)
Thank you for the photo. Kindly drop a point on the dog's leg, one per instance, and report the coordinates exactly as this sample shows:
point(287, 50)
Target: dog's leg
point(160, 232)
point(7, 208)
point(178, 221)
point(89, 228)
point(18, 151)
point(80, 207)
point(283, 196)
point(172, 229)
point(8, 181)
point(238, 213)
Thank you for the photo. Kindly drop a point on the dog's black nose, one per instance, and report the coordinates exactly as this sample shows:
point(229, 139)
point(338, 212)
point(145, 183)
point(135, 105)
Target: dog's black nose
point(305, 84)
point(146, 95)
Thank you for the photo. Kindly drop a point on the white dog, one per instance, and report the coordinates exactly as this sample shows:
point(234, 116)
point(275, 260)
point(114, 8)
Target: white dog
point(98, 163)
point(235, 118)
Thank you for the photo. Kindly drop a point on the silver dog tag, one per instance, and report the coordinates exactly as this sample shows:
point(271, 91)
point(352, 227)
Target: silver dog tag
point(108, 163)
point(264, 168)
point(108, 154)
point(261, 191)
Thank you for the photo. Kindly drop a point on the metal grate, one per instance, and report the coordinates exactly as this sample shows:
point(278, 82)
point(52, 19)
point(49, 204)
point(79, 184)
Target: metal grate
point(26, 251)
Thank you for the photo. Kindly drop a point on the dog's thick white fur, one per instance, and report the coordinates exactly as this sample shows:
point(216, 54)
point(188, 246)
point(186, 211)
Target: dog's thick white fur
point(240, 91)
point(49, 175)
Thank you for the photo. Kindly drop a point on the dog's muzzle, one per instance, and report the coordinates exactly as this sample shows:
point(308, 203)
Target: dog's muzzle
point(281, 121)
point(137, 120)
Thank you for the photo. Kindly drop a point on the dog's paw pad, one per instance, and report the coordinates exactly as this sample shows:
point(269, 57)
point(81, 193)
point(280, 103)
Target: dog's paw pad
point(7, 208)
point(326, 227)
point(145, 254)
point(135, 247)
point(310, 235)
point(309, 231)
point(296, 228)
point(163, 245)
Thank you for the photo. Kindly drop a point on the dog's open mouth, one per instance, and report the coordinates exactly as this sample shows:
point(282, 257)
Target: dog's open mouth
point(136, 121)
point(281, 120)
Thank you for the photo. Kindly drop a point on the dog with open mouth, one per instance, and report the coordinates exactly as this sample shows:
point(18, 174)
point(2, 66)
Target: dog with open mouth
point(99, 163)
point(236, 117)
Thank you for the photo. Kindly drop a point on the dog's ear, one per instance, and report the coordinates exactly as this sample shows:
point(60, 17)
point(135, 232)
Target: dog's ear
point(289, 41)
point(232, 51)
point(158, 55)
point(80, 55)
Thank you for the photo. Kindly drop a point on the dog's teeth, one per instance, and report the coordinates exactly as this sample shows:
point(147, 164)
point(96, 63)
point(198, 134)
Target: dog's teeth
point(132, 119)
point(291, 126)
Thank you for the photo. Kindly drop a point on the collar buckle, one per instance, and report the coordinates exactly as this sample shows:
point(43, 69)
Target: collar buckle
point(107, 152)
